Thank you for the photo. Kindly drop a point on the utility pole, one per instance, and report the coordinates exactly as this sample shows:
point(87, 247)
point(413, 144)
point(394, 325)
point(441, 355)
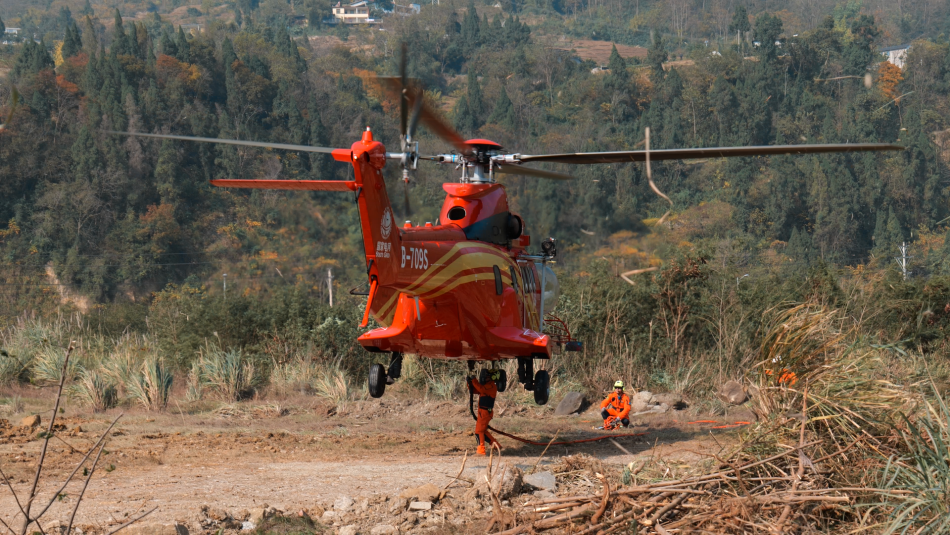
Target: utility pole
point(330, 284)
point(225, 286)
point(903, 258)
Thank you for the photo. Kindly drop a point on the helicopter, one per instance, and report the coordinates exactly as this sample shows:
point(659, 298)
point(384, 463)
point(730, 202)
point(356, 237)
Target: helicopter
point(466, 288)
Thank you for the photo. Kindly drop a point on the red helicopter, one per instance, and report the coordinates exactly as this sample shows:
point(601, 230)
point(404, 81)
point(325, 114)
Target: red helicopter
point(465, 288)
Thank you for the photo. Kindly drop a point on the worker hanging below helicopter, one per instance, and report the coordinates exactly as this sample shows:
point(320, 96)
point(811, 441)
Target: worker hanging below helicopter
point(486, 388)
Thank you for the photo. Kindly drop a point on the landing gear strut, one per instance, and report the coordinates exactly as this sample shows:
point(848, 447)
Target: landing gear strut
point(526, 372)
point(395, 368)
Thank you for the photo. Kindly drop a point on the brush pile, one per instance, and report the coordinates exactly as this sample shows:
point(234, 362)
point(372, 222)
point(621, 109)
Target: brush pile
point(811, 464)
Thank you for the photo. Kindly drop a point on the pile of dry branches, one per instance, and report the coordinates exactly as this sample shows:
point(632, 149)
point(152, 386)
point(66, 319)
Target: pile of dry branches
point(810, 465)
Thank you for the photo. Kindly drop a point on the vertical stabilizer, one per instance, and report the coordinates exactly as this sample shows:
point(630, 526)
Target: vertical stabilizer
point(380, 233)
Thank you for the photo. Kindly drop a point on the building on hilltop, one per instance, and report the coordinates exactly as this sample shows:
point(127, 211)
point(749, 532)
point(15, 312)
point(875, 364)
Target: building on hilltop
point(895, 55)
point(355, 13)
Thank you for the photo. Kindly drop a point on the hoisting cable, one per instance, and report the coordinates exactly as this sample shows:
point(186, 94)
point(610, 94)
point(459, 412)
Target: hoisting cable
point(471, 409)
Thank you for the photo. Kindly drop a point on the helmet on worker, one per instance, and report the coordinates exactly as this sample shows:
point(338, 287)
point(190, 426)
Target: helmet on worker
point(619, 384)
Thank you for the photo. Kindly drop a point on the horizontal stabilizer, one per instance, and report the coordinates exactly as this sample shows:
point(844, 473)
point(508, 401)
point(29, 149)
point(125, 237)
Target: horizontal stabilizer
point(299, 185)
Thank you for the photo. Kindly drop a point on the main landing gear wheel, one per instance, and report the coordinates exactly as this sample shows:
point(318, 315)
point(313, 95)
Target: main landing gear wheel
point(502, 382)
point(542, 382)
point(377, 380)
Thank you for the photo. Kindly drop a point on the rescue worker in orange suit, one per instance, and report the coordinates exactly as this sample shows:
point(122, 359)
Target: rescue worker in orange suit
point(616, 408)
point(486, 389)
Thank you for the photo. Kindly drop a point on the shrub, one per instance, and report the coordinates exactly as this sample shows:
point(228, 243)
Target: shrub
point(151, 387)
point(95, 390)
point(230, 374)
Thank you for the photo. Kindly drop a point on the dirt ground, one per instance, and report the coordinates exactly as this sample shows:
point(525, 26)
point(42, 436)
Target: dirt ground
point(298, 455)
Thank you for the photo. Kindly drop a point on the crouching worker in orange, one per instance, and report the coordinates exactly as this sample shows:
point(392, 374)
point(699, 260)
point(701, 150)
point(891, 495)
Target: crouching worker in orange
point(616, 408)
point(486, 389)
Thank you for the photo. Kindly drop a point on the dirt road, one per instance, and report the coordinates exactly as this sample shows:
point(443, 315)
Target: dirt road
point(241, 457)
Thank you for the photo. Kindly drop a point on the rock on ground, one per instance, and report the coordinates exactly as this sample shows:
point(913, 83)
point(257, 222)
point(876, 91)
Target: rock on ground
point(674, 401)
point(734, 393)
point(348, 530)
point(31, 421)
point(425, 493)
point(383, 529)
point(506, 481)
point(542, 480)
point(640, 401)
point(570, 404)
point(420, 506)
point(343, 503)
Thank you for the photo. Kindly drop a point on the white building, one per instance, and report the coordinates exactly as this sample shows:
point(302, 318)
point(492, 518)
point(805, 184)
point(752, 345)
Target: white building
point(13, 31)
point(355, 13)
point(896, 55)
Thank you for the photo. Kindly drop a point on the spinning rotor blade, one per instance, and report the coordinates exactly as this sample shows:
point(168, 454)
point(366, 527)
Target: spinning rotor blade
point(414, 94)
point(403, 96)
point(283, 146)
point(714, 152)
point(528, 171)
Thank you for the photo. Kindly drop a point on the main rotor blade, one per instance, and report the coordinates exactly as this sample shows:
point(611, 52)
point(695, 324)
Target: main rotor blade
point(713, 152)
point(282, 146)
point(297, 185)
point(414, 119)
point(429, 117)
point(403, 97)
point(528, 171)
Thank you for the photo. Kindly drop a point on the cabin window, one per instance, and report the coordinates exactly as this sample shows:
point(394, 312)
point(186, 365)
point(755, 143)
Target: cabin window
point(457, 213)
point(499, 289)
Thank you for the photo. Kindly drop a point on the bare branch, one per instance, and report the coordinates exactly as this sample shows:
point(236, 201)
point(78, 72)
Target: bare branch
point(69, 528)
point(49, 432)
point(134, 520)
point(88, 453)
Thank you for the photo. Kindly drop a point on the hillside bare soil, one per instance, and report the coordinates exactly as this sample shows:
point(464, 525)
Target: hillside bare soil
point(293, 457)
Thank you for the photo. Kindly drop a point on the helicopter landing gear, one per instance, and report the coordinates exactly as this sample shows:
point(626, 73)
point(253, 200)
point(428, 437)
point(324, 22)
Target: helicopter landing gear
point(526, 372)
point(377, 380)
point(395, 368)
point(542, 383)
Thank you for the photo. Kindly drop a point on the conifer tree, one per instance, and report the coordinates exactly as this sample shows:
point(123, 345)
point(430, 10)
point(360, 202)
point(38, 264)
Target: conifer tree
point(119, 41)
point(3, 27)
point(618, 78)
point(476, 104)
point(464, 120)
point(72, 42)
point(90, 43)
point(183, 53)
point(470, 28)
point(87, 9)
point(504, 113)
point(656, 55)
point(85, 155)
point(739, 25)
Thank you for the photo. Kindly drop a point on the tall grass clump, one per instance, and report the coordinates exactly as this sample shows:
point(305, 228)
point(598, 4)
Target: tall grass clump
point(230, 374)
point(333, 386)
point(152, 386)
point(48, 365)
point(14, 368)
point(95, 390)
point(916, 482)
point(296, 376)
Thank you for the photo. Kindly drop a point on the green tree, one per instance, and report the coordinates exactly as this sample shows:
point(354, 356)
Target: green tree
point(656, 55)
point(768, 28)
point(739, 25)
point(3, 27)
point(476, 103)
point(859, 53)
point(72, 42)
point(465, 121)
point(618, 78)
point(504, 113)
